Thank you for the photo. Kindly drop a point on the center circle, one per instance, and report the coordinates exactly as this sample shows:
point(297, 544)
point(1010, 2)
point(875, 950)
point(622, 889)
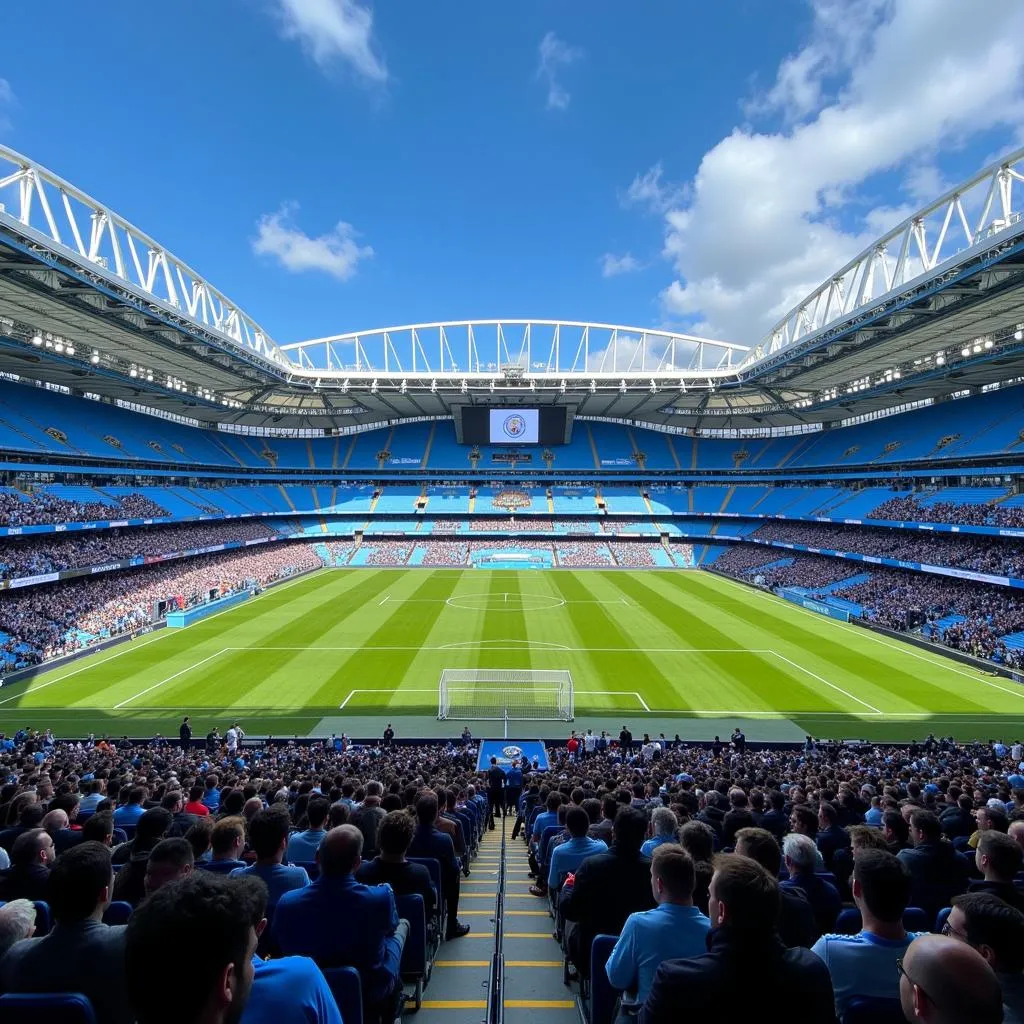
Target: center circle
point(504, 602)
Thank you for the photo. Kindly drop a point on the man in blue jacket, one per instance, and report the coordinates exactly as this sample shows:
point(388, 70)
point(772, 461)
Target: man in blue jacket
point(340, 922)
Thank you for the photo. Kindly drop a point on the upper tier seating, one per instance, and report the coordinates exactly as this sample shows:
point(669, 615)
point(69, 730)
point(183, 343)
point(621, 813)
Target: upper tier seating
point(39, 421)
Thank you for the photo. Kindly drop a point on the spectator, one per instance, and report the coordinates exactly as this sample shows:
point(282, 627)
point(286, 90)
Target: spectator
point(608, 888)
point(306, 921)
point(567, 857)
point(303, 846)
point(745, 956)
point(32, 857)
point(937, 871)
point(195, 805)
point(130, 812)
point(130, 882)
point(369, 816)
point(427, 841)
point(861, 964)
point(947, 982)
point(392, 867)
point(831, 836)
point(738, 816)
point(81, 954)
point(698, 839)
point(17, 922)
point(674, 929)
point(799, 852)
point(99, 828)
point(169, 861)
point(999, 859)
point(226, 844)
point(797, 923)
point(996, 931)
point(268, 835)
point(664, 826)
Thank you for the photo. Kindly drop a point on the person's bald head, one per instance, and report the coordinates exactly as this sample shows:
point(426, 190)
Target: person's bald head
point(945, 982)
point(1016, 833)
point(54, 821)
point(340, 851)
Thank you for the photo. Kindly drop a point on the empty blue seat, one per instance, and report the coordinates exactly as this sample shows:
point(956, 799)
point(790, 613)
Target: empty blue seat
point(44, 922)
point(602, 996)
point(849, 923)
point(348, 992)
point(117, 913)
point(46, 1008)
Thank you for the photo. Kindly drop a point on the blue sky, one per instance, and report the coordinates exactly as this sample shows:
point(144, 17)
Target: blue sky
point(333, 165)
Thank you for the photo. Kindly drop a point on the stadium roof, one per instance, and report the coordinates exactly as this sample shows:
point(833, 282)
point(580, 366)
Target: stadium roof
point(90, 302)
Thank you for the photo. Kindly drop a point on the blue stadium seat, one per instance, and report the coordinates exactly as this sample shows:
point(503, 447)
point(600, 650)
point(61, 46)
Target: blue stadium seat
point(311, 866)
point(433, 865)
point(415, 964)
point(348, 992)
point(849, 922)
point(46, 1008)
point(941, 918)
point(117, 913)
point(602, 996)
point(869, 1010)
point(44, 921)
point(545, 841)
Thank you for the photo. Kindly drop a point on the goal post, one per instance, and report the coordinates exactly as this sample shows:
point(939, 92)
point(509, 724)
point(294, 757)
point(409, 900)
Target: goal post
point(506, 694)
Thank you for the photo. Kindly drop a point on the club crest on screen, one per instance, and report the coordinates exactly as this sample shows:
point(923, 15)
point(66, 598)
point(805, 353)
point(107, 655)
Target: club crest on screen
point(514, 425)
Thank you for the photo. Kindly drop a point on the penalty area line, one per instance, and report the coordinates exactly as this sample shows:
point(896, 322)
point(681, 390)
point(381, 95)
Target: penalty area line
point(822, 679)
point(128, 700)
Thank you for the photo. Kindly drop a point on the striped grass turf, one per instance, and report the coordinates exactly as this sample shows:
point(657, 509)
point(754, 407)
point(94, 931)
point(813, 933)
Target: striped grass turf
point(647, 644)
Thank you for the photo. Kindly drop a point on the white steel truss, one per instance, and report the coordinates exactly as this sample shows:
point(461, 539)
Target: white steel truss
point(526, 348)
point(56, 218)
point(982, 212)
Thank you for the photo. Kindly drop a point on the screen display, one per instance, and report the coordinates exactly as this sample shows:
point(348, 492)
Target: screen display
point(476, 424)
point(514, 426)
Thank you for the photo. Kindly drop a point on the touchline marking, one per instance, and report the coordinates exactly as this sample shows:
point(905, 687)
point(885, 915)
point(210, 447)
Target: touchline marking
point(387, 597)
point(839, 689)
point(167, 631)
point(580, 650)
point(117, 707)
point(936, 661)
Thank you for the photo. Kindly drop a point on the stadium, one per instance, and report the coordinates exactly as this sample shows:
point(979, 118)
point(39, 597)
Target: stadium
point(506, 669)
point(819, 534)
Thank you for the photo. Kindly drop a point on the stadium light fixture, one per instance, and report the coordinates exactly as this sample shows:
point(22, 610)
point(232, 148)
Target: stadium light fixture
point(622, 386)
point(977, 347)
point(940, 360)
point(562, 387)
point(403, 387)
point(1018, 335)
point(133, 372)
point(433, 386)
point(37, 339)
point(58, 345)
point(95, 357)
point(373, 386)
point(464, 387)
point(593, 387)
point(491, 387)
point(70, 349)
point(988, 343)
point(965, 352)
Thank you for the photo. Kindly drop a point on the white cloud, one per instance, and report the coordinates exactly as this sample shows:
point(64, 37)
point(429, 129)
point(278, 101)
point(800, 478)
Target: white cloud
point(336, 252)
point(650, 191)
point(768, 216)
point(334, 30)
point(553, 57)
point(612, 265)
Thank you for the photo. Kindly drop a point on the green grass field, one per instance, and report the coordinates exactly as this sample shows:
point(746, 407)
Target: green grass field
point(677, 651)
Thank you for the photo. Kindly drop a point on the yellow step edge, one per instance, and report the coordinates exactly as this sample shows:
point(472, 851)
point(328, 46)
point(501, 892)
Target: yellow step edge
point(525, 935)
point(528, 913)
point(510, 1004)
point(533, 963)
point(461, 963)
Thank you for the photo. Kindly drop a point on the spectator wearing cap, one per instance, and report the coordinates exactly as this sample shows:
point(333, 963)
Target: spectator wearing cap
point(996, 931)
point(999, 859)
point(306, 921)
point(937, 871)
point(674, 929)
point(81, 954)
point(861, 964)
point(799, 852)
point(744, 955)
point(268, 836)
point(32, 857)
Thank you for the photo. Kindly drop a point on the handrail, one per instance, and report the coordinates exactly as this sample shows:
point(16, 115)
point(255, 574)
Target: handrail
point(496, 978)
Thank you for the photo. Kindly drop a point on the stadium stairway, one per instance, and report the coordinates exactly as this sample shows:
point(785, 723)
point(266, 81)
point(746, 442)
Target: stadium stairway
point(533, 989)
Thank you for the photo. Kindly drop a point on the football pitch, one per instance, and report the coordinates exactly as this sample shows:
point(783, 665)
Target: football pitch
point(682, 652)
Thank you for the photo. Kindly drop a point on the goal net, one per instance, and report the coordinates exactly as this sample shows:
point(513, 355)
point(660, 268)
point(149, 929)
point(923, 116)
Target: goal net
point(506, 694)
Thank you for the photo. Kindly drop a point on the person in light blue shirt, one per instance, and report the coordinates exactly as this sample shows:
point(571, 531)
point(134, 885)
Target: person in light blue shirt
point(568, 856)
point(303, 846)
point(674, 930)
point(873, 815)
point(129, 813)
point(864, 964)
point(268, 837)
point(291, 990)
point(664, 829)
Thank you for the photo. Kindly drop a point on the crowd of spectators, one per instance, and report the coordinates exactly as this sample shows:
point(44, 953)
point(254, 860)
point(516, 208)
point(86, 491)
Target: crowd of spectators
point(387, 552)
point(907, 509)
point(48, 621)
point(583, 553)
point(636, 554)
point(40, 508)
point(993, 555)
point(35, 555)
point(445, 552)
point(722, 868)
